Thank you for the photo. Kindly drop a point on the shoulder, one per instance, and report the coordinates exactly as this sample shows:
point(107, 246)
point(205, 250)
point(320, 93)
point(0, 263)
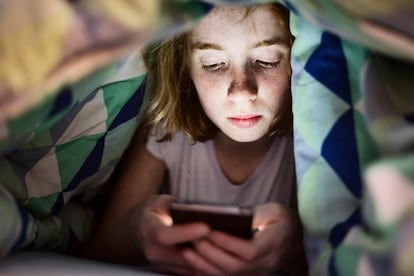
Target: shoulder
point(169, 148)
point(285, 142)
point(282, 149)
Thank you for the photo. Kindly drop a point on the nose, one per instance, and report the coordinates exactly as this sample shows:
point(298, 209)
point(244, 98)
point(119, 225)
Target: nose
point(243, 86)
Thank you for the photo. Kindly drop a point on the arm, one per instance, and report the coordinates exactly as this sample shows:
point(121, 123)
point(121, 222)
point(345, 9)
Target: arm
point(135, 225)
point(138, 175)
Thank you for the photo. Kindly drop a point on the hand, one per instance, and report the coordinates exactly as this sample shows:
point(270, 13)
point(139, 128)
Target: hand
point(159, 239)
point(273, 247)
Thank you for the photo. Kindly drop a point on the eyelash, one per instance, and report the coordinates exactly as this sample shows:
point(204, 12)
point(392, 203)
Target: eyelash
point(213, 67)
point(263, 64)
point(268, 65)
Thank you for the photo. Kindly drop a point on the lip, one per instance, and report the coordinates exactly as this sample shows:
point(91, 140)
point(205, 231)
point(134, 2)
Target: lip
point(244, 121)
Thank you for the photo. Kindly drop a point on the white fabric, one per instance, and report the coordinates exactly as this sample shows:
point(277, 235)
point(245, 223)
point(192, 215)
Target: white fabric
point(43, 263)
point(194, 173)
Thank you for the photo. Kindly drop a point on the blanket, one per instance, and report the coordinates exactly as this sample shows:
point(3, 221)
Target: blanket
point(352, 68)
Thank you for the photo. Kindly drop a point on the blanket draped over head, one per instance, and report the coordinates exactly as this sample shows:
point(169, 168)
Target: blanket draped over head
point(72, 84)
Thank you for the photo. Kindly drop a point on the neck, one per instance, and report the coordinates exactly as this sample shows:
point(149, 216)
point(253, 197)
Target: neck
point(238, 160)
point(224, 144)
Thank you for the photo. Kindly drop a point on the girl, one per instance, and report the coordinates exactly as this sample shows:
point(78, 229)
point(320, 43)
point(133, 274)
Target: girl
point(220, 126)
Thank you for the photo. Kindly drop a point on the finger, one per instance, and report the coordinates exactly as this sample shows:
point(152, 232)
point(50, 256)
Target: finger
point(166, 255)
point(182, 233)
point(155, 212)
point(244, 249)
point(259, 254)
point(200, 264)
point(267, 213)
point(159, 204)
point(231, 264)
point(275, 243)
point(158, 217)
point(274, 223)
point(220, 258)
point(278, 233)
point(244, 259)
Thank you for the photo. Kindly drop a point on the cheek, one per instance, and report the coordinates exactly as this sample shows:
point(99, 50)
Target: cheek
point(274, 90)
point(206, 80)
point(209, 86)
point(206, 93)
point(209, 101)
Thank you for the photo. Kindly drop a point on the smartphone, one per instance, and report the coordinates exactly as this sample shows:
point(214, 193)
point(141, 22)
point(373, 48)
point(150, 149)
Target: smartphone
point(233, 220)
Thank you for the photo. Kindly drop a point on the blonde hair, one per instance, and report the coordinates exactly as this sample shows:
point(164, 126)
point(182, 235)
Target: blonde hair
point(174, 104)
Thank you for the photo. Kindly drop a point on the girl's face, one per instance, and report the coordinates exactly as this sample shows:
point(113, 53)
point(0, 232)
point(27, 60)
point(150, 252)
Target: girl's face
point(239, 66)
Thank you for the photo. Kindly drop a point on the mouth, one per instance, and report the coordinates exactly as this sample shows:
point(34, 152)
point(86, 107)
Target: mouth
point(244, 121)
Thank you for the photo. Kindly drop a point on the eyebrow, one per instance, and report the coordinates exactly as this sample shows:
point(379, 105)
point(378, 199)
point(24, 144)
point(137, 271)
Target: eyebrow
point(271, 41)
point(200, 45)
point(204, 46)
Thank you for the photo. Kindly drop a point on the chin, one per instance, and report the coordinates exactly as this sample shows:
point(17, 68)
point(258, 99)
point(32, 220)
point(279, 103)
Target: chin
point(245, 135)
point(246, 138)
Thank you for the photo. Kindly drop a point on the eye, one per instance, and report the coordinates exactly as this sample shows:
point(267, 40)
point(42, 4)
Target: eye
point(213, 67)
point(267, 64)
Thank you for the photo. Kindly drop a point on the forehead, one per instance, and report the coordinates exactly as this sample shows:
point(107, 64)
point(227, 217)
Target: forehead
point(227, 22)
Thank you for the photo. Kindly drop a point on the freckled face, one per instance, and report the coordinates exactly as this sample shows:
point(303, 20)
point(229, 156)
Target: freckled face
point(239, 66)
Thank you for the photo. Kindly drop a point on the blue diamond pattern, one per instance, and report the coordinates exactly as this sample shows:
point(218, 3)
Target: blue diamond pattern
point(340, 151)
point(131, 108)
point(328, 65)
point(93, 162)
point(62, 101)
